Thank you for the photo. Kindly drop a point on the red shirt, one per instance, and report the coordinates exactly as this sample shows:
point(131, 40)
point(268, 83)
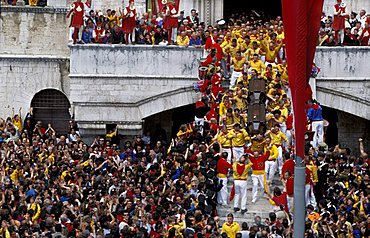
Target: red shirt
point(259, 163)
point(288, 166)
point(223, 166)
point(281, 200)
point(289, 187)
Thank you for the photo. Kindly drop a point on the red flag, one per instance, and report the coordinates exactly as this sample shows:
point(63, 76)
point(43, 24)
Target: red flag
point(162, 3)
point(301, 25)
point(232, 193)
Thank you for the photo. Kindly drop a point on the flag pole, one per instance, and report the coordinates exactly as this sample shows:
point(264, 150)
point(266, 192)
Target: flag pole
point(299, 222)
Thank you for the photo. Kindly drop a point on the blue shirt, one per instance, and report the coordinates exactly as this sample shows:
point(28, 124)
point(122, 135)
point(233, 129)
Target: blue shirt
point(315, 115)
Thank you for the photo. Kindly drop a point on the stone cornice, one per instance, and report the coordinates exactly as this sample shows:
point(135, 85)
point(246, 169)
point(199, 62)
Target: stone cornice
point(28, 9)
point(136, 47)
point(344, 48)
point(49, 58)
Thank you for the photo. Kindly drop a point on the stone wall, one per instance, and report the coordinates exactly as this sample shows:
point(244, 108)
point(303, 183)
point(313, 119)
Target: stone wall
point(350, 128)
point(124, 84)
point(33, 31)
point(21, 77)
point(344, 80)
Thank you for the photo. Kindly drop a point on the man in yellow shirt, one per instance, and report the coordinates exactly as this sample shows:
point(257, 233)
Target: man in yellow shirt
point(277, 139)
point(252, 51)
point(240, 175)
point(232, 48)
point(182, 39)
point(239, 137)
point(270, 164)
point(231, 228)
point(238, 62)
point(257, 64)
point(223, 139)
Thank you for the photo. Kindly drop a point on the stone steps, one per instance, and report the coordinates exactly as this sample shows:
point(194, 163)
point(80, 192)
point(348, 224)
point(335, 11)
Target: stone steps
point(261, 207)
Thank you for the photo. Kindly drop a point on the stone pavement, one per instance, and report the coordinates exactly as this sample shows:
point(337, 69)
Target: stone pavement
point(261, 208)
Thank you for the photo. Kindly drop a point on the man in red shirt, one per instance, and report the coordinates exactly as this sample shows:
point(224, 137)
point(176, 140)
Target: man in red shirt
point(258, 172)
point(222, 170)
point(288, 182)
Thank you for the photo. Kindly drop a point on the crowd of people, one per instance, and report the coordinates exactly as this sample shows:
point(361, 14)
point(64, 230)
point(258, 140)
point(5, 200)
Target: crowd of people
point(170, 25)
point(344, 27)
point(55, 185)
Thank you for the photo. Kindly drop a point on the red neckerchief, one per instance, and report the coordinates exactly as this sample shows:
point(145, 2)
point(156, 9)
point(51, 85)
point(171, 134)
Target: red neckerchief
point(240, 168)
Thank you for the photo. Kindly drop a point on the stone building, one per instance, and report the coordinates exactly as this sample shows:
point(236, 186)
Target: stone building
point(94, 84)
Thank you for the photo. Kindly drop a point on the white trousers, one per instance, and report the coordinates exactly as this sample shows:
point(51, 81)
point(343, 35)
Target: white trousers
point(228, 150)
point(290, 201)
point(222, 194)
point(280, 159)
point(258, 182)
point(240, 192)
point(318, 128)
point(238, 152)
point(309, 195)
point(270, 169)
point(234, 76)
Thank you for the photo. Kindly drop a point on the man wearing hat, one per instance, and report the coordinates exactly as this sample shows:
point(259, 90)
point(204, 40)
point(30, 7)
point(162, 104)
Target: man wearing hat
point(240, 174)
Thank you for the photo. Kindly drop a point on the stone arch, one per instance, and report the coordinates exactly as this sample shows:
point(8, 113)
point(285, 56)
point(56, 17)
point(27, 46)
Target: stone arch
point(166, 101)
point(52, 106)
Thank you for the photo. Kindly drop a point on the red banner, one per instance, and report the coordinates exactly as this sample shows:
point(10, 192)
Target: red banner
point(301, 25)
point(161, 4)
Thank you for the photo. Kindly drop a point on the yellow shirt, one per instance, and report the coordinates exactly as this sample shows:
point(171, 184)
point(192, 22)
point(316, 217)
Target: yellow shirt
point(182, 41)
point(250, 52)
point(240, 102)
point(238, 64)
point(257, 65)
point(223, 109)
point(244, 175)
point(18, 124)
point(231, 49)
point(230, 229)
point(277, 139)
point(313, 168)
point(273, 152)
point(223, 139)
point(239, 138)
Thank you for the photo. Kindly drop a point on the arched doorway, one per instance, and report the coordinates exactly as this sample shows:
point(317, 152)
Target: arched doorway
point(52, 106)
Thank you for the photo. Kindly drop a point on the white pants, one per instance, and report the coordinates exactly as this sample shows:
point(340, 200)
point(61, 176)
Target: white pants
point(228, 150)
point(318, 128)
point(290, 201)
point(200, 123)
point(234, 76)
point(258, 181)
point(309, 195)
point(238, 152)
point(222, 194)
point(280, 158)
point(270, 169)
point(289, 135)
point(240, 192)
